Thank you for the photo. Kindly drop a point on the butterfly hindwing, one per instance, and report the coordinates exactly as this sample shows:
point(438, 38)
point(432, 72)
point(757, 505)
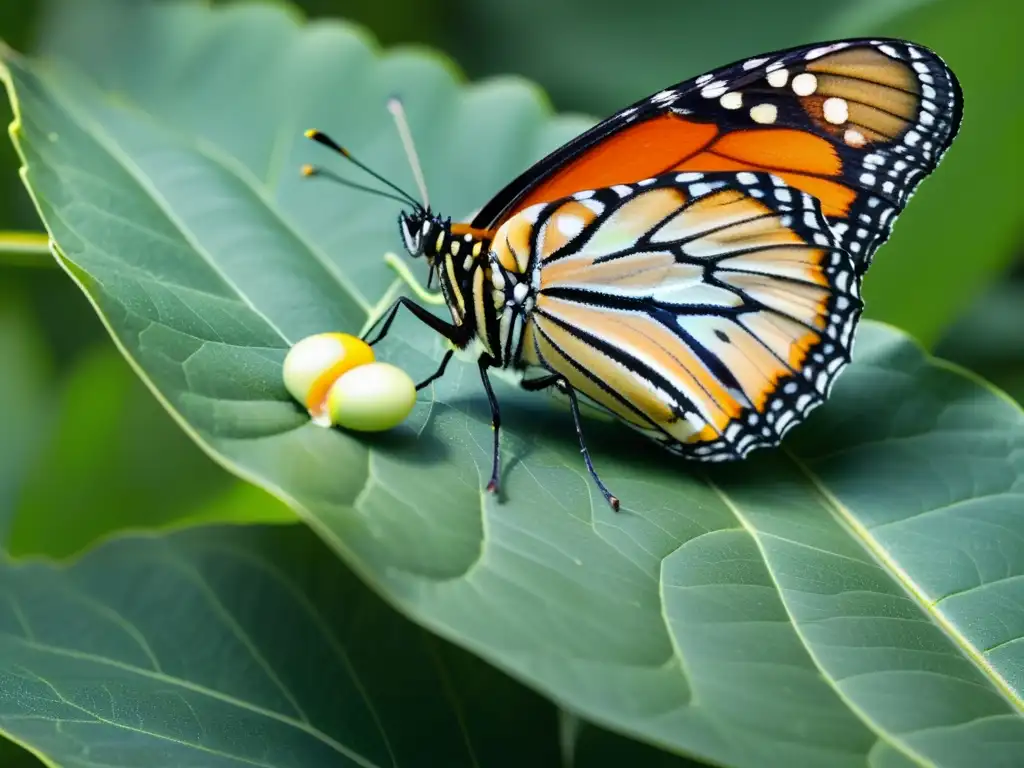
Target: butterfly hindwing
point(711, 311)
point(856, 123)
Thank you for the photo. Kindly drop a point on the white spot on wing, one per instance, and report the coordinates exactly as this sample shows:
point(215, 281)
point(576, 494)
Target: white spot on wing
point(732, 100)
point(855, 138)
point(764, 113)
point(714, 90)
point(570, 225)
point(778, 77)
point(836, 110)
point(698, 190)
point(805, 84)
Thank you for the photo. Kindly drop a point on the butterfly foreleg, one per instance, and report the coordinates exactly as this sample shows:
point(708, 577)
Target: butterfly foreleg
point(454, 333)
point(534, 385)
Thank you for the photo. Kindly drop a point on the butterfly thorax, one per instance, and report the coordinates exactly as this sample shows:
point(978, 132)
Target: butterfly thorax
point(480, 295)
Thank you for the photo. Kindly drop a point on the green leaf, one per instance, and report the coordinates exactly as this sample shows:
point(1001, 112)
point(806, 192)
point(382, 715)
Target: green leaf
point(964, 222)
point(987, 339)
point(243, 646)
point(122, 463)
point(852, 598)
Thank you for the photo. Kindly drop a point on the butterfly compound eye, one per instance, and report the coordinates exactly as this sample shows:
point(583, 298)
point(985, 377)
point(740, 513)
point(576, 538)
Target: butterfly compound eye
point(412, 229)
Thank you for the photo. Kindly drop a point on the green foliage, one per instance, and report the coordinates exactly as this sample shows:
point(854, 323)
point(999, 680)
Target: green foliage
point(147, 474)
point(23, 407)
point(854, 598)
point(185, 650)
point(988, 339)
point(793, 610)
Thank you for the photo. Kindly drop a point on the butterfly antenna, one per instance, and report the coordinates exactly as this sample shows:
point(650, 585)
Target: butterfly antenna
point(327, 141)
point(309, 171)
point(398, 112)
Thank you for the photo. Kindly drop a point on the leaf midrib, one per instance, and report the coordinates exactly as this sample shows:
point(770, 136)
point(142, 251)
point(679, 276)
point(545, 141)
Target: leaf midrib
point(845, 517)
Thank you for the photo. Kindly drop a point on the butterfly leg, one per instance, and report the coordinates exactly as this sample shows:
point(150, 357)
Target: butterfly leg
point(560, 382)
point(485, 362)
point(439, 372)
point(454, 333)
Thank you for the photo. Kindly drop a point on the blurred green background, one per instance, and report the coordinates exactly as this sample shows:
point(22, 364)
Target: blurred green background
point(952, 275)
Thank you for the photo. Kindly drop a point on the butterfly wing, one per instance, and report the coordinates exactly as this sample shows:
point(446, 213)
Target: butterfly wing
point(856, 123)
point(710, 311)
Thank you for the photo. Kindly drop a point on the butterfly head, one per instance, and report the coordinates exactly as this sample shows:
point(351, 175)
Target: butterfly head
point(419, 229)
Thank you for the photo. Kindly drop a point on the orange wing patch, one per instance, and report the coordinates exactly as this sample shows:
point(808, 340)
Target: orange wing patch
point(511, 244)
point(461, 230)
point(781, 149)
point(638, 151)
point(669, 142)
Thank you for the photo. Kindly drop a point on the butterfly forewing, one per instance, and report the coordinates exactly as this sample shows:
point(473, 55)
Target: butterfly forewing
point(711, 311)
point(856, 123)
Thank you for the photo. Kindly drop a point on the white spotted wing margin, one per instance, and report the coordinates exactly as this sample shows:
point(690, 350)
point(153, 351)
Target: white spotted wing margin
point(710, 311)
point(859, 123)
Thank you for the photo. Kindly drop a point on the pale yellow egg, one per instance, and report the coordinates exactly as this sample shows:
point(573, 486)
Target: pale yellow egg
point(371, 398)
point(316, 362)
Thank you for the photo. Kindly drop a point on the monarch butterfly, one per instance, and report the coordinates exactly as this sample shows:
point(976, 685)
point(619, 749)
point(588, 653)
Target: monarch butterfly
point(692, 264)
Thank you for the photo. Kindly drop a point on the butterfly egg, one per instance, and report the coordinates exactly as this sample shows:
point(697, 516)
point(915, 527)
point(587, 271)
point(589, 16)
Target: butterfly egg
point(371, 398)
point(315, 363)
